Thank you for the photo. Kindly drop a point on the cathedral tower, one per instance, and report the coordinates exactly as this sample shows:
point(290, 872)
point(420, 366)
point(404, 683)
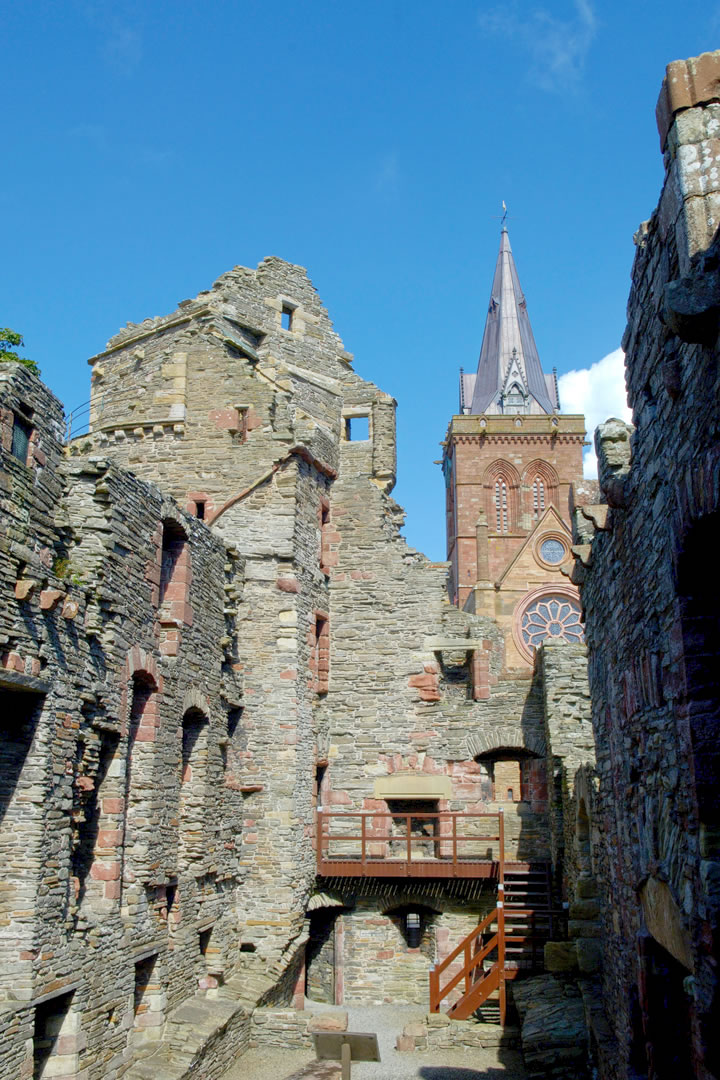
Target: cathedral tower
point(512, 462)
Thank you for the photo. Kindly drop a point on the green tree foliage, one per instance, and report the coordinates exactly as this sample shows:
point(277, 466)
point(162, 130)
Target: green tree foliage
point(9, 341)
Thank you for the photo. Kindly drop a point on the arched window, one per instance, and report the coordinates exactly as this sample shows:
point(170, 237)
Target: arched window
point(538, 495)
point(501, 505)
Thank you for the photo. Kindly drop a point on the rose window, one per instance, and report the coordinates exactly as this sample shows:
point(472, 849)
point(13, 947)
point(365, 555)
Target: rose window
point(551, 616)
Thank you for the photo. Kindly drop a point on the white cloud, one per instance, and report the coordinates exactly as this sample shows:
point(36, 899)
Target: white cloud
point(598, 392)
point(557, 47)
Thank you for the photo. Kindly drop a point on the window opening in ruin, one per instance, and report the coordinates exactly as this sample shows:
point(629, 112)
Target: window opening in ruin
point(319, 662)
point(173, 550)
point(424, 831)
point(286, 317)
point(324, 535)
point(21, 828)
point(19, 711)
point(50, 1056)
point(538, 490)
point(247, 946)
point(139, 761)
point(92, 769)
point(148, 1005)
point(501, 506)
point(321, 784)
point(204, 941)
point(21, 436)
point(357, 428)
point(193, 783)
point(200, 509)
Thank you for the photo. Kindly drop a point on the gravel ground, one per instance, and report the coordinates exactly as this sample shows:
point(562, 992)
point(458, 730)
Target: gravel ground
point(388, 1022)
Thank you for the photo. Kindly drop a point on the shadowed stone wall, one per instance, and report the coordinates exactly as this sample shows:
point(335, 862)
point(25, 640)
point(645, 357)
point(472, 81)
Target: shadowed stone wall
point(651, 602)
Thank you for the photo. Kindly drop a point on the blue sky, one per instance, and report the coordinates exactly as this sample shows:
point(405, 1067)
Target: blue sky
point(151, 146)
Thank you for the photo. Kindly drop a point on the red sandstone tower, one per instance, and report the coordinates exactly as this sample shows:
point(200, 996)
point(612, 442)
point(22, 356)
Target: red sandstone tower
point(511, 463)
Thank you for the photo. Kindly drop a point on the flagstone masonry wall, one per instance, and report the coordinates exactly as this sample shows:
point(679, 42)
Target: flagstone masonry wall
point(652, 618)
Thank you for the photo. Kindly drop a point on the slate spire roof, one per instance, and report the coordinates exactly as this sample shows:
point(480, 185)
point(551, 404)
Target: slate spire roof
point(509, 378)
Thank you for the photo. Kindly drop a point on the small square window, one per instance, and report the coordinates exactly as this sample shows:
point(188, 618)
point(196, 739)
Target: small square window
point(286, 317)
point(357, 428)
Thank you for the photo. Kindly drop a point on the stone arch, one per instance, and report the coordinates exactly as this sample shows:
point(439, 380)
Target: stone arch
point(481, 744)
point(138, 661)
point(194, 699)
point(501, 484)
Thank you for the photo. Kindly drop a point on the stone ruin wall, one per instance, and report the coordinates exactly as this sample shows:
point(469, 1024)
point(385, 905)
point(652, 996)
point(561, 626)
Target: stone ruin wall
point(114, 849)
point(649, 633)
point(208, 861)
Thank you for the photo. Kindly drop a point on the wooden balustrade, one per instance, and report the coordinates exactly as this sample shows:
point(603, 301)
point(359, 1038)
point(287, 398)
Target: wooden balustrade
point(439, 844)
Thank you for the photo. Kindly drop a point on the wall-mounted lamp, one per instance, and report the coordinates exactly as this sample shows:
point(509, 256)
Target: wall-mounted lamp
point(414, 929)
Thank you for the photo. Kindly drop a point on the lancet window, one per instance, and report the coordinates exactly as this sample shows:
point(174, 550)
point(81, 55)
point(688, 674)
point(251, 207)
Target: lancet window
point(538, 494)
point(501, 505)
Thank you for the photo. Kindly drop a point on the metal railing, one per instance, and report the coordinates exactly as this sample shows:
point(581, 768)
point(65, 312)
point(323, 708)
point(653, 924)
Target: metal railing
point(78, 421)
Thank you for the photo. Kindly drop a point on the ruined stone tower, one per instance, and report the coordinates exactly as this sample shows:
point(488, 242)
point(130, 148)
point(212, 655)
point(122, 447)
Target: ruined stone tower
point(513, 465)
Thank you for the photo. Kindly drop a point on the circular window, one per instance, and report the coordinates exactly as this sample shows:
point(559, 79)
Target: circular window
point(552, 551)
point(554, 615)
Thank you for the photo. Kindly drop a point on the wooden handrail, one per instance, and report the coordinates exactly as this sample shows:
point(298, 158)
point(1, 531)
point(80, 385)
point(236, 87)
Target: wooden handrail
point(477, 990)
point(487, 921)
point(469, 967)
point(472, 960)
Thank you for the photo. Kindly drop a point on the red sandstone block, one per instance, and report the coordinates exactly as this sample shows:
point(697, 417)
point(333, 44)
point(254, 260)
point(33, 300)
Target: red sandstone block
point(289, 585)
point(429, 695)
point(288, 674)
point(356, 575)
point(145, 734)
point(35, 666)
point(384, 954)
point(425, 680)
point(14, 662)
point(39, 456)
point(405, 1043)
point(84, 783)
point(433, 667)
point(105, 871)
point(49, 598)
point(208, 982)
point(113, 806)
point(24, 589)
point(109, 837)
point(169, 648)
point(226, 419)
point(338, 798)
point(112, 890)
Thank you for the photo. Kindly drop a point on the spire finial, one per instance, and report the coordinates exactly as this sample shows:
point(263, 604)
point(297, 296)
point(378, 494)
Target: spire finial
point(503, 219)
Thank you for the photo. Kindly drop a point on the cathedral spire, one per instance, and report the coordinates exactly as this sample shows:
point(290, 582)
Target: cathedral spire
point(509, 377)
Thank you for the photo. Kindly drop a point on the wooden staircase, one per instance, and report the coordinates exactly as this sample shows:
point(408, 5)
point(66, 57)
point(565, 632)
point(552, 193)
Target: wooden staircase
point(479, 982)
point(509, 940)
point(530, 916)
